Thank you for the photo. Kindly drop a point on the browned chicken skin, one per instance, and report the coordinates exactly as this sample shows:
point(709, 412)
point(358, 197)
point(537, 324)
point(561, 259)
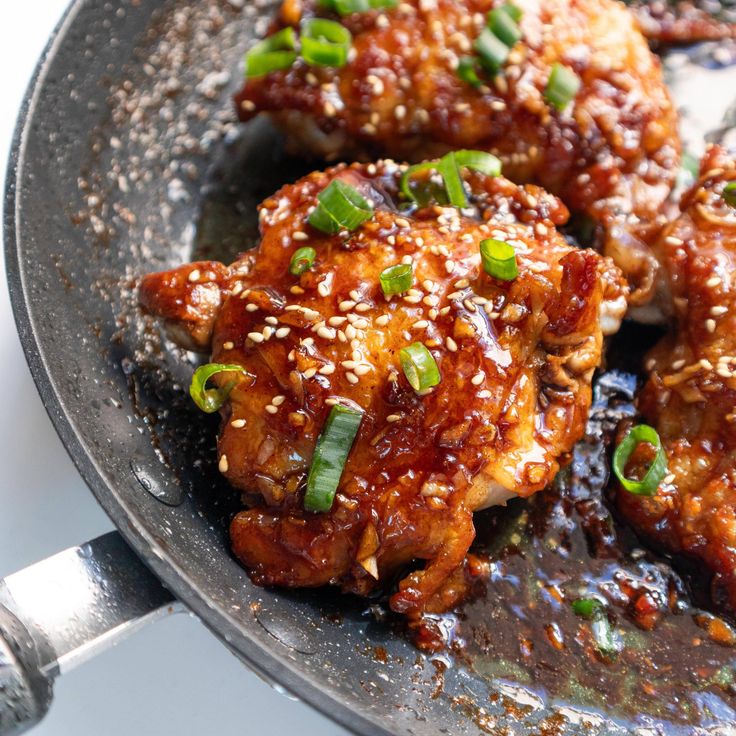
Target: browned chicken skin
point(690, 397)
point(613, 154)
point(516, 360)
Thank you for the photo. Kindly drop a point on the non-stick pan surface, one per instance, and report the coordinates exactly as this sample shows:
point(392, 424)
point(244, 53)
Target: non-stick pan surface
point(127, 160)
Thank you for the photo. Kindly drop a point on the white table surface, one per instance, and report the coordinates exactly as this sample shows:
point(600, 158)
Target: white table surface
point(175, 677)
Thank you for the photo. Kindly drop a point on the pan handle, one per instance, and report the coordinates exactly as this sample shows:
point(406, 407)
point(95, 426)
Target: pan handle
point(62, 611)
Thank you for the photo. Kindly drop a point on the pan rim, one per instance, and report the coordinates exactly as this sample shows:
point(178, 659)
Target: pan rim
point(259, 659)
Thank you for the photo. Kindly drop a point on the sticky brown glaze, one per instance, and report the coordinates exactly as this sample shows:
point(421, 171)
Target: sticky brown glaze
point(682, 22)
point(690, 396)
point(613, 154)
point(516, 360)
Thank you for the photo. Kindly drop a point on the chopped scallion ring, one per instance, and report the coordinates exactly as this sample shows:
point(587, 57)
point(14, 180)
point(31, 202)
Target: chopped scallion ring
point(467, 71)
point(499, 259)
point(302, 260)
point(514, 12)
point(419, 367)
point(586, 607)
point(347, 7)
point(406, 189)
point(340, 207)
point(562, 86)
point(330, 455)
point(729, 193)
point(492, 51)
point(272, 54)
point(648, 485)
point(396, 279)
point(485, 163)
point(503, 26)
point(210, 400)
point(606, 639)
point(325, 42)
point(450, 172)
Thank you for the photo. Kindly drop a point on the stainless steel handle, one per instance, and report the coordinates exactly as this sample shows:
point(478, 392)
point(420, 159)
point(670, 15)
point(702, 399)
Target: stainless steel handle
point(61, 611)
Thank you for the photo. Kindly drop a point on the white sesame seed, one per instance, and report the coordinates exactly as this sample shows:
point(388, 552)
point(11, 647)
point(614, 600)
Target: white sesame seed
point(484, 394)
point(428, 285)
point(352, 378)
point(350, 332)
point(669, 478)
point(362, 307)
point(267, 332)
point(271, 320)
point(705, 364)
point(292, 355)
point(451, 344)
point(713, 281)
point(672, 240)
point(449, 266)
point(328, 333)
point(356, 354)
point(296, 289)
point(402, 222)
point(282, 332)
point(478, 378)
point(678, 364)
point(354, 295)
point(299, 235)
point(362, 369)
point(349, 364)
point(462, 283)
point(223, 466)
point(337, 321)
point(382, 321)
point(718, 311)
point(412, 299)
point(433, 314)
point(278, 399)
point(710, 325)
point(194, 276)
point(250, 307)
point(431, 300)
point(346, 305)
point(327, 370)
point(237, 423)
point(308, 341)
point(256, 336)
point(271, 409)
point(310, 373)
point(323, 288)
point(229, 345)
point(393, 418)
point(331, 402)
point(420, 324)
point(407, 260)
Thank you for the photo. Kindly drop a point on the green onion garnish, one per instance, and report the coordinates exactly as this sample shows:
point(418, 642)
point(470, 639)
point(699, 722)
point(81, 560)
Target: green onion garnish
point(648, 485)
point(450, 173)
point(396, 279)
point(302, 260)
point(513, 11)
point(419, 367)
point(606, 640)
point(211, 399)
point(340, 207)
point(347, 7)
point(330, 454)
point(499, 259)
point(325, 42)
point(467, 71)
point(409, 174)
point(503, 26)
point(729, 193)
point(562, 86)
point(486, 163)
point(492, 51)
point(273, 53)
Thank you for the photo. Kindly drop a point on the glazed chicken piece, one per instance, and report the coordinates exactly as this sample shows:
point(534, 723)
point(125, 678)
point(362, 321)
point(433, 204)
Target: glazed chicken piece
point(613, 154)
point(682, 21)
point(515, 357)
point(690, 396)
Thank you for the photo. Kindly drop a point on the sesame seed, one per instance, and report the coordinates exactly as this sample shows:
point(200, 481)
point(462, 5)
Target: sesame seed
point(428, 285)
point(350, 332)
point(449, 266)
point(678, 364)
point(484, 394)
point(223, 466)
point(672, 240)
point(382, 321)
point(402, 222)
point(433, 314)
point(237, 288)
point(326, 370)
point(710, 325)
point(444, 311)
point(310, 373)
point(470, 306)
point(407, 260)
point(346, 305)
point(431, 300)
point(267, 332)
point(706, 364)
point(420, 324)
point(349, 364)
point(256, 336)
point(393, 418)
point(718, 311)
point(360, 324)
point(331, 402)
point(229, 345)
point(250, 307)
point(299, 235)
point(713, 281)
point(462, 284)
point(308, 341)
point(278, 399)
point(237, 423)
point(362, 369)
point(451, 344)
point(669, 478)
point(282, 332)
point(337, 321)
point(323, 288)
point(356, 354)
point(271, 409)
point(362, 307)
point(271, 320)
point(194, 276)
point(352, 378)
point(412, 299)
point(328, 333)
point(296, 289)
point(478, 378)
point(310, 313)
point(292, 355)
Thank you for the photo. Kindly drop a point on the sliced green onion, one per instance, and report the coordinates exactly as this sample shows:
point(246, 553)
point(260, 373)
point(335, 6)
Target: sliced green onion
point(648, 485)
point(302, 260)
point(499, 259)
point(503, 26)
point(410, 172)
point(492, 51)
point(690, 163)
point(514, 12)
point(272, 54)
point(467, 71)
point(325, 42)
point(729, 193)
point(347, 7)
point(340, 207)
point(330, 454)
point(606, 639)
point(562, 86)
point(486, 163)
point(396, 279)
point(211, 399)
point(419, 367)
point(450, 173)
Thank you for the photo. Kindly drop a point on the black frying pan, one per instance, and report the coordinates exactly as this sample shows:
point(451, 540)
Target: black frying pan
point(125, 161)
